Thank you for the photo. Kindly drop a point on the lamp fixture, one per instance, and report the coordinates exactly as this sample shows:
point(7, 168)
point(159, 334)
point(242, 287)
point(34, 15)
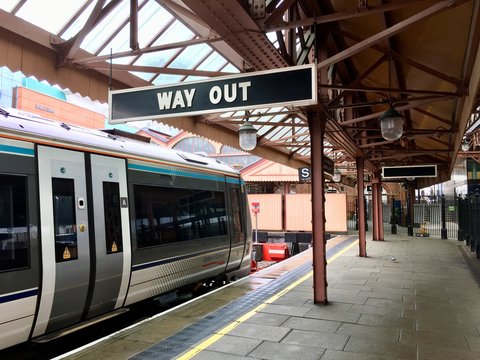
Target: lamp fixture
point(391, 124)
point(337, 175)
point(465, 145)
point(391, 121)
point(247, 135)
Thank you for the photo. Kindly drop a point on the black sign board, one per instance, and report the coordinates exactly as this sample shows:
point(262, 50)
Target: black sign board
point(304, 173)
point(296, 85)
point(412, 171)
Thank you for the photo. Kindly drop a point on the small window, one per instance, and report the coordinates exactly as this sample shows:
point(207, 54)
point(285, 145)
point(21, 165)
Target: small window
point(64, 219)
point(113, 221)
point(14, 234)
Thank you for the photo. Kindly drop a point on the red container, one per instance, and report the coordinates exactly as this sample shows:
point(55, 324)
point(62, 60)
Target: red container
point(275, 251)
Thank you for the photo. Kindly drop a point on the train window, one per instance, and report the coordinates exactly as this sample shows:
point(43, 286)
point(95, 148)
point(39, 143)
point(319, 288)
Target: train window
point(113, 222)
point(168, 215)
point(14, 235)
point(237, 215)
point(64, 219)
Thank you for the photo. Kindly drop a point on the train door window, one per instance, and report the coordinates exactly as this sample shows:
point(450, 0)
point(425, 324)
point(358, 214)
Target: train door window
point(14, 235)
point(64, 219)
point(113, 223)
point(236, 213)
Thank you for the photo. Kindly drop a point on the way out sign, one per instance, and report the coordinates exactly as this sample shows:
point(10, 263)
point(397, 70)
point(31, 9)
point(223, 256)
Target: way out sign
point(290, 86)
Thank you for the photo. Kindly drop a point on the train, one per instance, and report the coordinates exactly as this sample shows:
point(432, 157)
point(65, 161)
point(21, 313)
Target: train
point(93, 221)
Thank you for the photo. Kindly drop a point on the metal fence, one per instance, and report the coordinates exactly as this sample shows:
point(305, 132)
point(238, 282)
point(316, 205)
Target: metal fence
point(468, 222)
point(427, 218)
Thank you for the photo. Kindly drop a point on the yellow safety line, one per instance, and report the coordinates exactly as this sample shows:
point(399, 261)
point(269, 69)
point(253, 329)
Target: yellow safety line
point(219, 334)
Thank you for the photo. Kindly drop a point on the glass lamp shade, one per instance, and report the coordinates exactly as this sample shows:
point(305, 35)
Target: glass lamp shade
point(337, 176)
point(465, 145)
point(391, 124)
point(247, 136)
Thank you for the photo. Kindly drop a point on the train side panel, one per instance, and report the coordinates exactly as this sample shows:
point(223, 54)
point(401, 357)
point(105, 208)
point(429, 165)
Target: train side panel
point(179, 228)
point(19, 267)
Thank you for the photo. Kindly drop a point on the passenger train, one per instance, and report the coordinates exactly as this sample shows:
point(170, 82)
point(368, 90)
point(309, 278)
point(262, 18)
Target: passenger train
point(92, 222)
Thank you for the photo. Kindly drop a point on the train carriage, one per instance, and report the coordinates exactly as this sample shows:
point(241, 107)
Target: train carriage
point(92, 222)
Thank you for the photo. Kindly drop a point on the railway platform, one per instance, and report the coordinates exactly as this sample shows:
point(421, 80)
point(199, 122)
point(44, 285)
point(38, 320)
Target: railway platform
point(410, 298)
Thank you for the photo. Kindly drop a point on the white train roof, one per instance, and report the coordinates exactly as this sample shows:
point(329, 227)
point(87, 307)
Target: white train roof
point(34, 126)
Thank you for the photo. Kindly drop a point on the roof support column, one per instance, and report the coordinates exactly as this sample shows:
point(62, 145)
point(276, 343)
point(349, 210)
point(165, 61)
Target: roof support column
point(378, 233)
point(381, 234)
point(316, 124)
point(374, 210)
point(362, 244)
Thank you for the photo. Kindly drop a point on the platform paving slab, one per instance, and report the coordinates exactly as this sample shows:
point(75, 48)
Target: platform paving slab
point(235, 345)
point(284, 351)
point(423, 305)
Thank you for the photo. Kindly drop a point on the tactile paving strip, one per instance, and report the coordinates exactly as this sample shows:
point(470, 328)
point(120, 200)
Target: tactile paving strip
point(194, 333)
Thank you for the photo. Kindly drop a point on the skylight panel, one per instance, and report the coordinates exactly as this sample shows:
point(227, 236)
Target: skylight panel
point(143, 75)
point(230, 68)
point(164, 79)
point(175, 33)
point(195, 78)
point(123, 60)
point(213, 63)
point(106, 28)
point(284, 131)
point(40, 13)
point(151, 19)
point(263, 129)
point(277, 118)
point(79, 23)
point(121, 42)
point(191, 56)
point(8, 5)
point(157, 58)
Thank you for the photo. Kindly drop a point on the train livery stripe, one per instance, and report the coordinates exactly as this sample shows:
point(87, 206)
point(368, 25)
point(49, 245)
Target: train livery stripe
point(18, 295)
point(9, 149)
point(178, 258)
point(231, 180)
point(175, 172)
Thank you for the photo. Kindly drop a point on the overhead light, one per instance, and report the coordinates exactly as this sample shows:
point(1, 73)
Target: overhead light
point(247, 136)
point(337, 175)
point(391, 124)
point(465, 145)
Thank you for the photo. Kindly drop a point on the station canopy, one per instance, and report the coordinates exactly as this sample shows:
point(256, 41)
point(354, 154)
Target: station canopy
point(420, 57)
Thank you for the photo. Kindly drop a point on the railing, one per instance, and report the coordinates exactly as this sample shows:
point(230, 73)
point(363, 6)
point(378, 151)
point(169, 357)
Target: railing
point(437, 218)
point(469, 222)
point(429, 218)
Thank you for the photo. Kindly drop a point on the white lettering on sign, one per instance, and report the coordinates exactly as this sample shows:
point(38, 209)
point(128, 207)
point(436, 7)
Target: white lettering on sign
point(305, 172)
point(215, 95)
point(244, 86)
point(229, 92)
point(184, 98)
point(180, 99)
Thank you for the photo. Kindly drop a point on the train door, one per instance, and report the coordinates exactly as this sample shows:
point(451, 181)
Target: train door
point(112, 234)
point(64, 238)
point(236, 223)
